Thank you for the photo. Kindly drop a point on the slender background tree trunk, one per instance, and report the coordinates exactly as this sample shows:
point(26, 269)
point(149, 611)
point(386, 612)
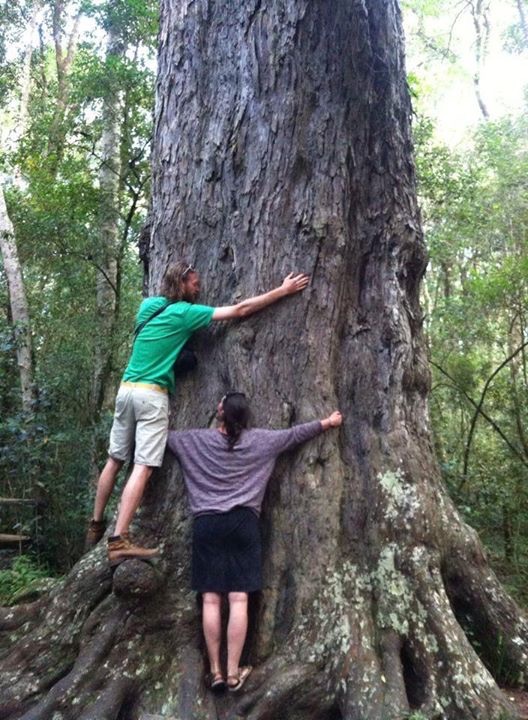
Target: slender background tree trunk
point(65, 48)
point(107, 268)
point(283, 143)
point(480, 14)
point(19, 308)
point(25, 76)
point(521, 7)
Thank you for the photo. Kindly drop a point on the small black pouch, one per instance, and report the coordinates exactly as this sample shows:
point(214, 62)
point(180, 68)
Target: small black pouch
point(185, 362)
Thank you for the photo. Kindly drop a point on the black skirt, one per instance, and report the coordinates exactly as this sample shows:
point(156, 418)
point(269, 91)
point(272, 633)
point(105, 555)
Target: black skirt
point(226, 552)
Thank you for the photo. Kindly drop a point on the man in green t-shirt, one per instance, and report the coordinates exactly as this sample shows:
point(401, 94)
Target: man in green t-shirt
point(141, 416)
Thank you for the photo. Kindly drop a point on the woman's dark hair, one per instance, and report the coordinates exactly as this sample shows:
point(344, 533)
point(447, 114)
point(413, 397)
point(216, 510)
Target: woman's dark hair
point(176, 274)
point(236, 416)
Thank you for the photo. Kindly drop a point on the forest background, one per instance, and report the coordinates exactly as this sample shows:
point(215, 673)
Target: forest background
point(76, 93)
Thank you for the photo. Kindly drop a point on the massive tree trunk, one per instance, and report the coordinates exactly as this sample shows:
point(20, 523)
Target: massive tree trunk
point(283, 143)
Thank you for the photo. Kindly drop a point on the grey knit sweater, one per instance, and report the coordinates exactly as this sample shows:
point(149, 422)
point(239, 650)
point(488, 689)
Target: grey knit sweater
point(219, 479)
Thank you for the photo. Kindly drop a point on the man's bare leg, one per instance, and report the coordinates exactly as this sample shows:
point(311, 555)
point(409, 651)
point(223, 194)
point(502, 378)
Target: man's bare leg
point(131, 497)
point(105, 485)
point(120, 547)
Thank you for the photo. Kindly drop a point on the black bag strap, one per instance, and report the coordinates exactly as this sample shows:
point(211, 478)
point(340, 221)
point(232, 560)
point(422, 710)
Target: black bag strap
point(140, 327)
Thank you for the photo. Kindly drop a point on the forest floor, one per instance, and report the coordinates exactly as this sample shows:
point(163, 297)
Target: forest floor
point(519, 699)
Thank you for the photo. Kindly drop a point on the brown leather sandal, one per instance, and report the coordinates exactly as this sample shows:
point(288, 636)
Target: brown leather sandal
point(235, 682)
point(216, 681)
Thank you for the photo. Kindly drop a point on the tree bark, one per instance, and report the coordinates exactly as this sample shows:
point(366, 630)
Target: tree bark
point(480, 14)
point(19, 308)
point(283, 143)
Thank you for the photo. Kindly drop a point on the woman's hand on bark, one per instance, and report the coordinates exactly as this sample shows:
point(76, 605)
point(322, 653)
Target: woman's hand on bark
point(332, 421)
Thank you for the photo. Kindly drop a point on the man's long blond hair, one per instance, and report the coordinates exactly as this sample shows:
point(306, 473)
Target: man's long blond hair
point(172, 286)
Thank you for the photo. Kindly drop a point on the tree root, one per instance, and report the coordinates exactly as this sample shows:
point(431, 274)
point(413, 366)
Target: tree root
point(280, 684)
point(62, 689)
point(45, 645)
point(370, 642)
point(492, 621)
point(369, 648)
point(12, 618)
point(453, 680)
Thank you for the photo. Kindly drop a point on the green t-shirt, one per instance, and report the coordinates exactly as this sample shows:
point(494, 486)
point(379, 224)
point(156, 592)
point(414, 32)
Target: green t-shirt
point(159, 343)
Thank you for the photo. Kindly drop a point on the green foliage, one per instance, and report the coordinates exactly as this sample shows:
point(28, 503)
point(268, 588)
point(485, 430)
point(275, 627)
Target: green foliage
point(514, 39)
point(24, 575)
point(475, 209)
point(136, 19)
point(55, 207)
point(13, 18)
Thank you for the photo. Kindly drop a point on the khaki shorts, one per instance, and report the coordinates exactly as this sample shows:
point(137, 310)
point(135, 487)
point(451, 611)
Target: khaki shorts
point(141, 419)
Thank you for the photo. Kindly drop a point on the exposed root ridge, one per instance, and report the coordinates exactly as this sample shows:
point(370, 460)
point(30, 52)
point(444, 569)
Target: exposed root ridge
point(452, 680)
point(12, 618)
point(109, 704)
point(495, 625)
point(282, 687)
point(46, 641)
point(87, 675)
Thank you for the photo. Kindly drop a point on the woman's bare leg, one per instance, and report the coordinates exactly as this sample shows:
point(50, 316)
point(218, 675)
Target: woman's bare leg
point(212, 627)
point(236, 630)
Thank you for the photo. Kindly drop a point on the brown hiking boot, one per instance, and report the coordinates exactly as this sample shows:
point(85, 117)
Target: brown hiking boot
point(94, 534)
point(121, 548)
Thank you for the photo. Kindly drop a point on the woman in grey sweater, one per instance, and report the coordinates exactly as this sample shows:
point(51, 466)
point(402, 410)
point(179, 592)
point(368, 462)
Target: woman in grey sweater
point(226, 471)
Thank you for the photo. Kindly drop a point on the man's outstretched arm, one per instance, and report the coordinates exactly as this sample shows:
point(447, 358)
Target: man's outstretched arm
point(292, 284)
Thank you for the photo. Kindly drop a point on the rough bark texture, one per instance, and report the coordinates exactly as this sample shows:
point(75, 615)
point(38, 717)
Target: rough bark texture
point(19, 308)
point(282, 142)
